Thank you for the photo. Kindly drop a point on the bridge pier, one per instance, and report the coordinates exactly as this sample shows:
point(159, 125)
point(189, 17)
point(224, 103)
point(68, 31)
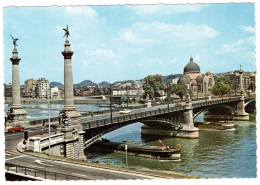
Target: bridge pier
point(188, 130)
point(240, 115)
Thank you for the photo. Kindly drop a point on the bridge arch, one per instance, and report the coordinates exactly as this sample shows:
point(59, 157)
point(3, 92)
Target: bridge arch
point(249, 101)
point(231, 108)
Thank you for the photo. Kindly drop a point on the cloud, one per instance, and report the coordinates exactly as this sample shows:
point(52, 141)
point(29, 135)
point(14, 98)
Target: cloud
point(159, 32)
point(161, 61)
point(247, 29)
point(81, 11)
point(166, 9)
point(102, 56)
point(239, 47)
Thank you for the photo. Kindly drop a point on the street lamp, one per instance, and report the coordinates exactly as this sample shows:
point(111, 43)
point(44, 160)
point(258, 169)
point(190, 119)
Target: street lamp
point(48, 97)
point(111, 104)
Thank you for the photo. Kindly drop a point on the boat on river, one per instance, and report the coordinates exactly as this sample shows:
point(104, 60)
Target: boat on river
point(135, 149)
point(220, 125)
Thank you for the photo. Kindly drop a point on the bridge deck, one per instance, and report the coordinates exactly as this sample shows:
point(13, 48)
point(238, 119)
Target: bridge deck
point(136, 114)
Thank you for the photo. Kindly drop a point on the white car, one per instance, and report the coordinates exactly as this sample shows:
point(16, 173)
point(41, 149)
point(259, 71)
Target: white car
point(125, 111)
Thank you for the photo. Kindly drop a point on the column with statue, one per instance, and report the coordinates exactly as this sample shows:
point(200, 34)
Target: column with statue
point(16, 115)
point(69, 116)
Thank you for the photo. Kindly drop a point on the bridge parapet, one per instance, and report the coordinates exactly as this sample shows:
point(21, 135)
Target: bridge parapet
point(129, 117)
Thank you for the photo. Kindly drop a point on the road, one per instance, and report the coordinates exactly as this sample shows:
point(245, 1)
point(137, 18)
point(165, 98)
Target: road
point(89, 172)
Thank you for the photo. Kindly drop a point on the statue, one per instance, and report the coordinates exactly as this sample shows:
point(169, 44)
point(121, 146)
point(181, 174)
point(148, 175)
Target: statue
point(14, 41)
point(67, 33)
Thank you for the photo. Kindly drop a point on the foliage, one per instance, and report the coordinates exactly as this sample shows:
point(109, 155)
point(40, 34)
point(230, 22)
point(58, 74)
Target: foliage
point(170, 89)
point(223, 79)
point(153, 83)
point(181, 90)
point(190, 93)
point(85, 88)
point(220, 88)
point(123, 98)
point(148, 90)
point(96, 91)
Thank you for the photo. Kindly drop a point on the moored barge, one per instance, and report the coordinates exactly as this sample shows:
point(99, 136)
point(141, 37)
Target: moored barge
point(156, 152)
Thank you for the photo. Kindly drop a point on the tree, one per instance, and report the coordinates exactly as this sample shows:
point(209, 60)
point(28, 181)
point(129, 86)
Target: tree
point(170, 89)
point(123, 98)
point(223, 79)
point(181, 90)
point(220, 88)
point(152, 84)
point(148, 90)
point(96, 90)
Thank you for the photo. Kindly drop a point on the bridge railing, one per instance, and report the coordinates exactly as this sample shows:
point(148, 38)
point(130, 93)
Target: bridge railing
point(30, 172)
point(130, 117)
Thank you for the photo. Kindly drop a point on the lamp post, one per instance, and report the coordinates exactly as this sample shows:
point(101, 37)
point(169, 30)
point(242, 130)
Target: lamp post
point(111, 116)
point(126, 163)
point(49, 119)
point(126, 96)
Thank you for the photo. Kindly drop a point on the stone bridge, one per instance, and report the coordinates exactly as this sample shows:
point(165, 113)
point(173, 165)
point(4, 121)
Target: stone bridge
point(170, 119)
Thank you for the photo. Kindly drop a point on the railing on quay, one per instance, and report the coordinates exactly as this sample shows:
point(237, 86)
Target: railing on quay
point(30, 172)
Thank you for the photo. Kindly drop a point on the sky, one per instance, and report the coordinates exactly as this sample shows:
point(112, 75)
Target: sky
point(115, 43)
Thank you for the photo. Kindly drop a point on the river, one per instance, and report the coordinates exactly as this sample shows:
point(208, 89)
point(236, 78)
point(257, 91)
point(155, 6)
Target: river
point(215, 154)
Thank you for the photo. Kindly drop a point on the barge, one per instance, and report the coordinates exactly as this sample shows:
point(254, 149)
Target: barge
point(221, 125)
point(135, 149)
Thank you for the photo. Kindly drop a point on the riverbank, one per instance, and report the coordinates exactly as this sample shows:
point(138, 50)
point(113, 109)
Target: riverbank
point(77, 100)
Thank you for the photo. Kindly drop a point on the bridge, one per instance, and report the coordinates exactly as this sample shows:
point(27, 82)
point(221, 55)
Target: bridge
point(178, 118)
point(173, 119)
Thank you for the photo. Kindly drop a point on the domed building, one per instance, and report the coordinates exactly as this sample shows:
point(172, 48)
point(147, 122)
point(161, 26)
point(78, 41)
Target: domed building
point(195, 81)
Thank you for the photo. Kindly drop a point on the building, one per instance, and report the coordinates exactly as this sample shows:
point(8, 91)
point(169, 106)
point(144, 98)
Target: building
point(248, 81)
point(126, 91)
point(55, 92)
point(42, 86)
point(29, 88)
point(195, 81)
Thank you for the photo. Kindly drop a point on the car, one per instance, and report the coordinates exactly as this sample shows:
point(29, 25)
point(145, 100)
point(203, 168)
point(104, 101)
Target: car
point(16, 128)
point(125, 111)
point(178, 104)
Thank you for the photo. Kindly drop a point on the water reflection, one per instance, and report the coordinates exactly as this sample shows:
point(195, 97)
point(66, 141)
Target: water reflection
point(216, 154)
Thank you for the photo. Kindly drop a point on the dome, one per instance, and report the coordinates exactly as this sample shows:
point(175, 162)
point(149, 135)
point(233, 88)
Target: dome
point(199, 79)
point(184, 80)
point(191, 67)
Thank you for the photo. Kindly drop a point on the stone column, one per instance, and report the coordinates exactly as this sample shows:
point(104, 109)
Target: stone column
point(69, 107)
point(16, 114)
point(188, 130)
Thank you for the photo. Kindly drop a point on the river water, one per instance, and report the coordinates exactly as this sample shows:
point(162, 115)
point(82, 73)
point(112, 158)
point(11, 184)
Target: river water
point(215, 154)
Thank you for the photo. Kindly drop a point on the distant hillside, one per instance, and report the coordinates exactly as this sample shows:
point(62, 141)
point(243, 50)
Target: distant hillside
point(104, 84)
point(168, 79)
point(85, 83)
point(56, 84)
point(125, 81)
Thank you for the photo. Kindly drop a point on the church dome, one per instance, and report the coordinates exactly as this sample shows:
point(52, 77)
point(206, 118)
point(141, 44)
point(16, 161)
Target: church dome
point(191, 67)
point(184, 80)
point(199, 79)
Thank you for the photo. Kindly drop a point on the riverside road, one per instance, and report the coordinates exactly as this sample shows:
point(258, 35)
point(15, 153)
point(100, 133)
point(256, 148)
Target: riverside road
point(83, 171)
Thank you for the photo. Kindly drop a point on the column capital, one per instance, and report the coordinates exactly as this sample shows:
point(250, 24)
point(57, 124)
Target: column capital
point(15, 59)
point(67, 53)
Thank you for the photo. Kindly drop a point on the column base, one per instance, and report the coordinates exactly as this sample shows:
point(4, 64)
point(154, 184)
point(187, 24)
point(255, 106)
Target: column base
point(74, 116)
point(16, 116)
